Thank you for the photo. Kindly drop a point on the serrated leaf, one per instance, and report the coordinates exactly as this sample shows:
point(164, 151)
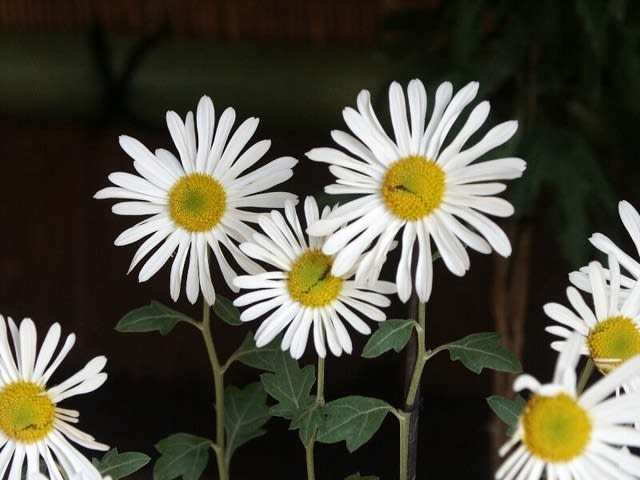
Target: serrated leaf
point(262, 358)
point(246, 412)
point(226, 310)
point(391, 334)
point(353, 419)
point(508, 410)
point(357, 476)
point(483, 350)
point(308, 419)
point(182, 454)
point(119, 465)
point(289, 385)
point(153, 317)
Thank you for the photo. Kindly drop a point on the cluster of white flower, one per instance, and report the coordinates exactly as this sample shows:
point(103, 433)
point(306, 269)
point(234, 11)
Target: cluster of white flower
point(423, 188)
point(574, 435)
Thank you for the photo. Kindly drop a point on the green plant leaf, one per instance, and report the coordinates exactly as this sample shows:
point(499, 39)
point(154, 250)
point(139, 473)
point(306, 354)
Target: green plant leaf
point(153, 317)
point(289, 385)
point(182, 454)
point(262, 358)
point(483, 350)
point(508, 410)
point(353, 419)
point(391, 334)
point(357, 476)
point(120, 465)
point(246, 412)
point(307, 419)
point(226, 310)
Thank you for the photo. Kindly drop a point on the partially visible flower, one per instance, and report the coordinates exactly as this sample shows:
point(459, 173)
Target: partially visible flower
point(32, 425)
point(610, 331)
point(631, 220)
point(572, 436)
point(86, 474)
point(300, 293)
point(198, 202)
point(423, 184)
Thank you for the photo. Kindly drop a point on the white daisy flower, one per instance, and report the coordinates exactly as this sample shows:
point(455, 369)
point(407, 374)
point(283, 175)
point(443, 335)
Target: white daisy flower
point(32, 425)
point(199, 201)
point(572, 436)
point(301, 293)
point(631, 220)
point(610, 331)
point(419, 184)
point(86, 474)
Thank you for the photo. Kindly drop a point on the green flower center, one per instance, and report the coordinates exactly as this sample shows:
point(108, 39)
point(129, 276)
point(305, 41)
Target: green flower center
point(613, 341)
point(556, 429)
point(310, 281)
point(26, 412)
point(197, 202)
point(413, 187)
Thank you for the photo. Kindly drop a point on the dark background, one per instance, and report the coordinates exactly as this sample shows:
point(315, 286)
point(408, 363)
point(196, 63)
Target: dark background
point(75, 74)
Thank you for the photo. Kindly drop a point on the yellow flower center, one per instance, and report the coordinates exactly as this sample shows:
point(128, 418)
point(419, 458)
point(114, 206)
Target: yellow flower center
point(197, 202)
point(26, 412)
point(556, 429)
point(413, 187)
point(310, 281)
point(613, 341)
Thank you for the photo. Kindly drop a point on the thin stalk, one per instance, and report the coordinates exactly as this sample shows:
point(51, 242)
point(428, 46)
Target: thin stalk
point(407, 417)
point(309, 447)
point(218, 383)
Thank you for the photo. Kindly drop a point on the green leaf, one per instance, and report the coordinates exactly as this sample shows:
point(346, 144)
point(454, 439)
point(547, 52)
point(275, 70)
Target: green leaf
point(353, 419)
point(391, 334)
point(120, 465)
point(508, 410)
point(246, 412)
point(153, 317)
point(357, 476)
point(483, 350)
point(308, 419)
point(290, 385)
point(262, 358)
point(226, 310)
point(182, 454)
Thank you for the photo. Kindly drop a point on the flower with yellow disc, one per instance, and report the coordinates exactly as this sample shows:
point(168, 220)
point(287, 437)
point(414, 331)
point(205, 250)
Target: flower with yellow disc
point(32, 425)
point(423, 184)
point(201, 202)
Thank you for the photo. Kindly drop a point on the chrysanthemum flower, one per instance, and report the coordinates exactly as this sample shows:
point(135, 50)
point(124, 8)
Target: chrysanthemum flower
point(421, 183)
point(199, 201)
point(32, 425)
point(631, 220)
point(301, 293)
point(572, 436)
point(610, 331)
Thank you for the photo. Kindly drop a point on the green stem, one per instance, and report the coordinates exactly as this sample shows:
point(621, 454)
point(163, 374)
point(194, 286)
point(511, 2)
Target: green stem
point(584, 376)
point(309, 456)
point(404, 418)
point(218, 382)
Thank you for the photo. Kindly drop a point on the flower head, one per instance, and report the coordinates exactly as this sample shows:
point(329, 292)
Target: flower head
point(610, 331)
point(197, 203)
point(419, 184)
point(32, 425)
point(300, 293)
point(573, 436)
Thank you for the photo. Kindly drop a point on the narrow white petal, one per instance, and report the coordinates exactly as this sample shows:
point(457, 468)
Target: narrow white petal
point(225, 124)
point(398, 110)
point(205, 121)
